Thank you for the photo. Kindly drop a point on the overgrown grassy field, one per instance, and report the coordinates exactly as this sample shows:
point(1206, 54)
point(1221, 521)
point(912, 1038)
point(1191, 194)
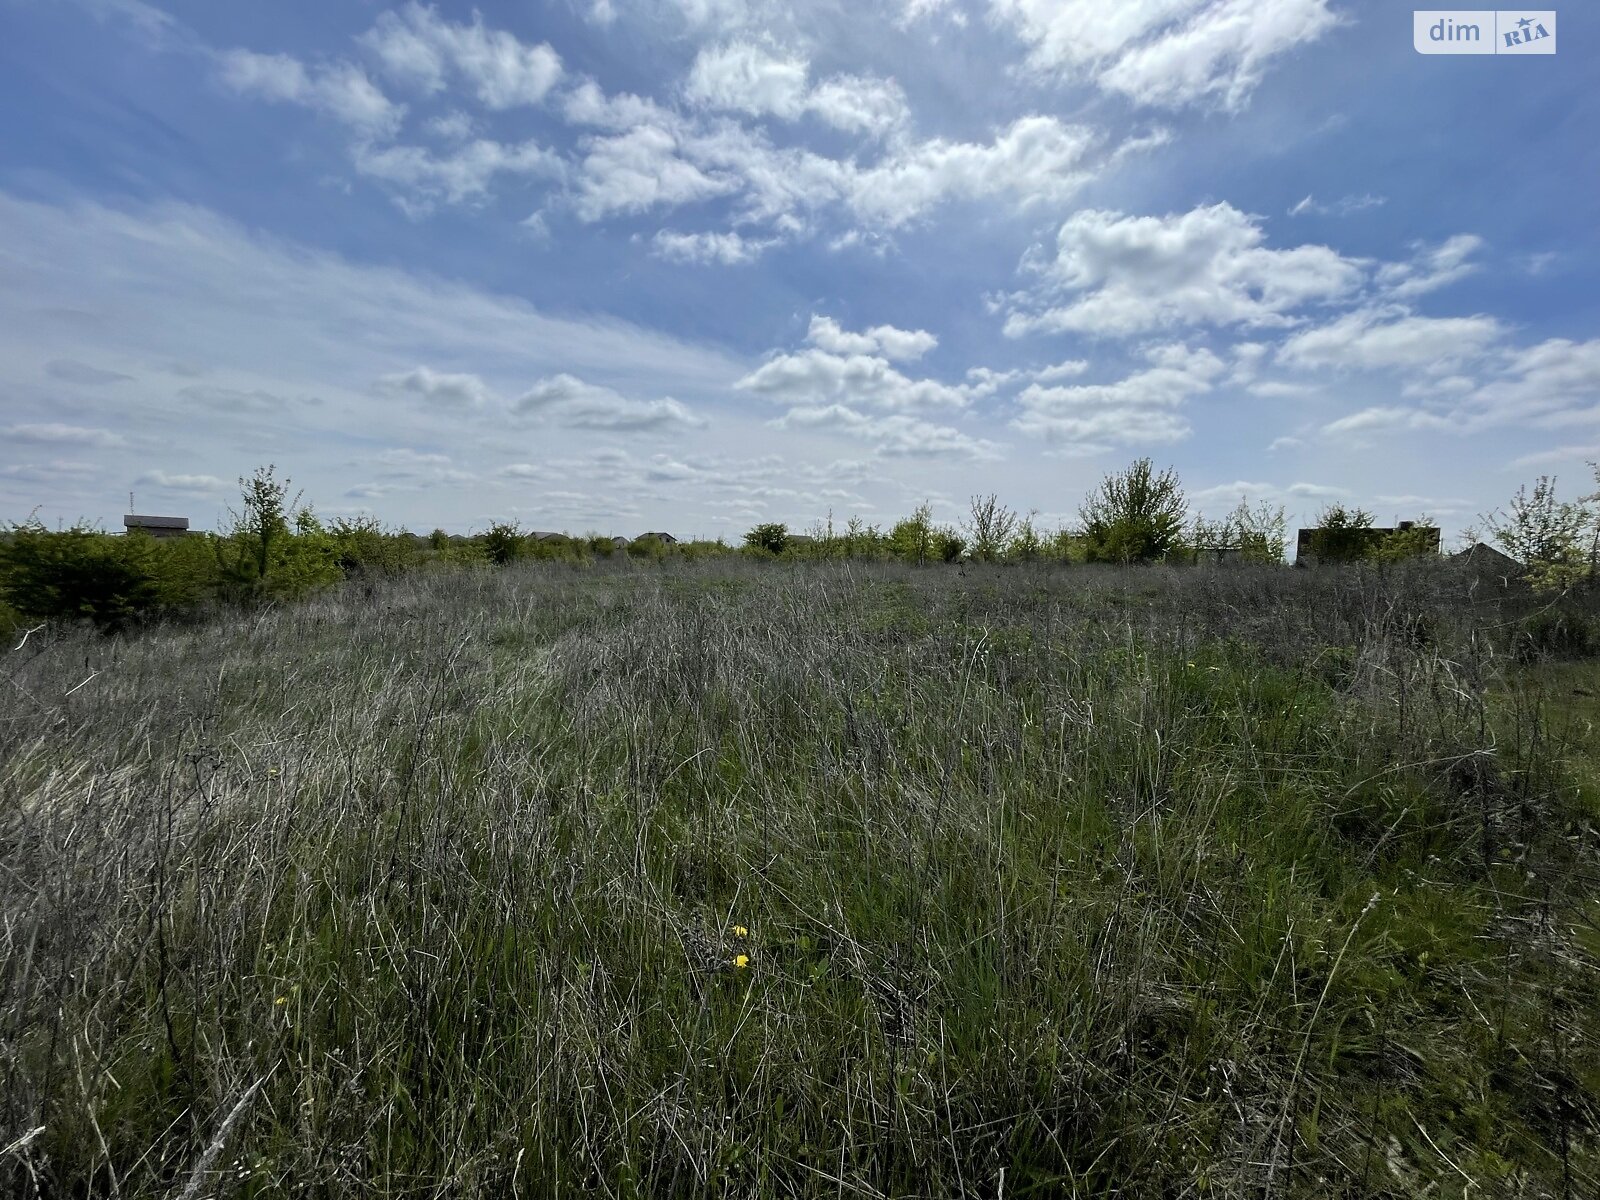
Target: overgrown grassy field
point(741, 880)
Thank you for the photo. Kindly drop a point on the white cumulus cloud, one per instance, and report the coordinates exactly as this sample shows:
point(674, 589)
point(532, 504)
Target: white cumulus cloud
point(462, 175)
point(729, 249)
point(1391, 337)
point(1117, 275)
point(1144, 407)
point(1169, 53)
point(892, 343)
point(341, 91)
point(1433, 267)
point(579, 405)
point(746, 78)
point(417, 46)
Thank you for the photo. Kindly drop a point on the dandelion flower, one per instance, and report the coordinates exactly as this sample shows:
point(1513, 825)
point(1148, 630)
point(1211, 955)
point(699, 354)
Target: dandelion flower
point(741, 960)
point(281, 1000)
point(740, 931)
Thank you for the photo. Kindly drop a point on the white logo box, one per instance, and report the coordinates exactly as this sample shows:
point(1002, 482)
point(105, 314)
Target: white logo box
point(1484, 31)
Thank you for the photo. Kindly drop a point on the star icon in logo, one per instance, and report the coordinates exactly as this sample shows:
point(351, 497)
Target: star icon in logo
point(1524, 23)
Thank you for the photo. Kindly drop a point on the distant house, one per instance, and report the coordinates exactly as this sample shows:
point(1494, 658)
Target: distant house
point(620, 542)
point(666, 539)
point(1356, 543)
point(539, 536)
point(800, 539)
point(1483, 561)
point(156, 527)
point(1219, 554)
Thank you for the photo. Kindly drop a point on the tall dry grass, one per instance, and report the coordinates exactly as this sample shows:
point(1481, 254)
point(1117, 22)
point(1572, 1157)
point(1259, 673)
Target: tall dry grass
point(722, 880)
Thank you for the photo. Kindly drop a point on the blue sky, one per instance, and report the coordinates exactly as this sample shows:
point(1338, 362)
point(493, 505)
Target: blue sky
point(617, 265)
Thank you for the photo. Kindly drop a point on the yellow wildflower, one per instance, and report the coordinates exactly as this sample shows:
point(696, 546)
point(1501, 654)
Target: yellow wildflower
point(741, 960)
point(281, 1000)
point(740, 931)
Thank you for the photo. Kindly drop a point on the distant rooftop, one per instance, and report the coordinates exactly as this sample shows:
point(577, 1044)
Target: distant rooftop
point(136, 521)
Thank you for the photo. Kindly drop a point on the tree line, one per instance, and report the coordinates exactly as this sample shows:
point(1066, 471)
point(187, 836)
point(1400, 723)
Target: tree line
point(1141, 515)
point(275, 547)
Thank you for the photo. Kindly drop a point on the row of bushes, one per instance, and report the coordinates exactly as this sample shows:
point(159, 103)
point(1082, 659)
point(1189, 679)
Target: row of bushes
point(115, 580)
point(278, 549)
point(506, 542)
point(1137, 515)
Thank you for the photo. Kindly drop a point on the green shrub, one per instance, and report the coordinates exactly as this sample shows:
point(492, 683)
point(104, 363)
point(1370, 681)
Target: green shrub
point(363, 547)
point(652, 548)
point(1136, 515)
point(911, 539)
point(1552, 633)
point(694, 551)
point(79, 573)
point(1067, 547)
point(188, 575)
point(11, 622)
point(1344, 535)
point(503, 543)
point(304, 561)
point(557, 549)
point(1419, 541)
point(772, 537)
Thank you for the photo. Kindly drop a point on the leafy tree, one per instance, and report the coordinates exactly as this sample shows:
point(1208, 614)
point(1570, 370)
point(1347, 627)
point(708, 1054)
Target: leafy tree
point(1553, 538)
point(771, 537)
point(1592, 501)
point(1067, 547)
point(948, 544)
point(1206, 534)
point(503, 542)
point(989, 526)
point(1343, 535)
point(1260, 534)
point(862, 540)
point(912, 538)
point(1026, 545)
point(1419, 541)
point(266, 516)
point(1136, 515)
point(275, 546)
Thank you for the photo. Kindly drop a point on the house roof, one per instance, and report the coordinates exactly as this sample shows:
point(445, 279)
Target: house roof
point(137, 521)
point(1481, 554)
